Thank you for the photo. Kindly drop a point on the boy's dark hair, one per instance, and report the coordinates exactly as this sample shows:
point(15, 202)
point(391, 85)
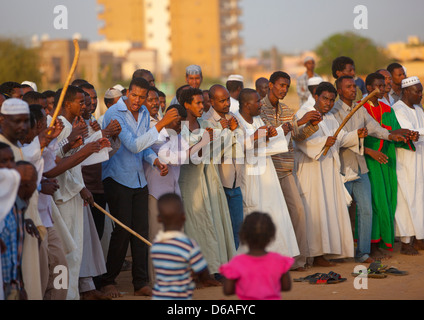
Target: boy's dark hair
point(87, 85)
point(78, 82)
point(181, 110)
point(233, 85)
point(372, 77)
point(6, 88)
point(391, 67)
point(340, 80)
point(325, 86)
point(257, 230)
point(140, 83)
point(70, 95)
point(179, 90)
point(244, 95)
point(188, 95)
point(151, 88)
point(277, 75)
point(49, 93)
point(33, 97)
point(162, 94)
point(169, 198)
point(339, 64)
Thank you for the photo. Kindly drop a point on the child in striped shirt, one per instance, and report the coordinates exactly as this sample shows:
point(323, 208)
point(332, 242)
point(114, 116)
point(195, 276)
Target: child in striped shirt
point(174, 255)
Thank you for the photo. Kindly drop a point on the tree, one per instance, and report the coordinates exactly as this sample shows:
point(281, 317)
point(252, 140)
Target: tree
point(18, 62)
point(367, 56)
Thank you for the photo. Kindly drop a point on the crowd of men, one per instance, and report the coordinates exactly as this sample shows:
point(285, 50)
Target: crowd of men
point(227, 151)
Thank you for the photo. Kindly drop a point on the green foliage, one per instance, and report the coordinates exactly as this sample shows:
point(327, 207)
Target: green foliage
point(18, 63)
point(367, 56)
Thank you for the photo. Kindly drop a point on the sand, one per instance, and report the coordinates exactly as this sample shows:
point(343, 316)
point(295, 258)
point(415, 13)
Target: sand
point(409, 287)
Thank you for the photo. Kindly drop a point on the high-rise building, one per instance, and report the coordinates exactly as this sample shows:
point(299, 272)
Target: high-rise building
point(183, 32)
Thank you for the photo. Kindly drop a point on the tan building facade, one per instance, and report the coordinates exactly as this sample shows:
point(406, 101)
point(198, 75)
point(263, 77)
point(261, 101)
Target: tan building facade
point(183, 32)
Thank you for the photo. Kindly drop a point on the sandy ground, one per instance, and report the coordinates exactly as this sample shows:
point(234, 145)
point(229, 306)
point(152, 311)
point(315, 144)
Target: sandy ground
point(409, 287)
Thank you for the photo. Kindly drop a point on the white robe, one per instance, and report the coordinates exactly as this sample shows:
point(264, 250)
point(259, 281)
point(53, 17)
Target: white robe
point(261, 188)
point(410, 173)
point(324, 195)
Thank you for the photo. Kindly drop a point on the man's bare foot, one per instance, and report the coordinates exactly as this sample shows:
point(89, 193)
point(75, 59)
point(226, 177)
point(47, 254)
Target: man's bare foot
point(418, 244)
point(111, 291)
point(408, 249)
point(322, 262)
point(94, 295)
point(378, 254)
point(145, 291)
point(300, 269)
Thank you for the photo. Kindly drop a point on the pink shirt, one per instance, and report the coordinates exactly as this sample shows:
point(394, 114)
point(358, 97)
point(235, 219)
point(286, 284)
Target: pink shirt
point(258, 278)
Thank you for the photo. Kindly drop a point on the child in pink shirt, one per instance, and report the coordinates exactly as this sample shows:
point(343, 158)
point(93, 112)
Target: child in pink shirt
point(257, 275)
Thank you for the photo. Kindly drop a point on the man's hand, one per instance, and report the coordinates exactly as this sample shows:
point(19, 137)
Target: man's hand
point(104, 143)
point(32, 229)
point(312, 116)
point(87, 196)
point(330, 141)
point(113, 129)
point(398, 137)
point(163, 168)
point(362, 133)
point(233, 123)
point(78, 134)
point(50, 133)
point(271, 132)
point(287, 127)
point(224, 123)
point(92, 147)
point(49, 186)
point(169, 117)
point(415, 135)
point(377, 155)
point(95, 125)
point(261, 133)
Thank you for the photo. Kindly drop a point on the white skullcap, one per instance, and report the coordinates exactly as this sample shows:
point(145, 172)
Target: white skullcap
point(408, 82)
point(314, 81)
point(235, 77)
point(31, 84)
point(14, 106)
point(113, 93)
point(118, 87)
point(308, 58)
point(193, 70)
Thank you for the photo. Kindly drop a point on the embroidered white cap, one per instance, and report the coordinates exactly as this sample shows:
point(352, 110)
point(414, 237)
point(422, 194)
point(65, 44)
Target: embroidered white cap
point(14, 106)
point(193, 70)
point(409, 82)
point(235, 77)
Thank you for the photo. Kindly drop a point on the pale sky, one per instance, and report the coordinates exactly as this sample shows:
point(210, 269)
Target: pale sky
point(291, 26)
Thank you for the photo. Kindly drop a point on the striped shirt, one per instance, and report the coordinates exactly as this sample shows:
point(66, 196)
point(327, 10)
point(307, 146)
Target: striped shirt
point(174, 259)
point(284, 162)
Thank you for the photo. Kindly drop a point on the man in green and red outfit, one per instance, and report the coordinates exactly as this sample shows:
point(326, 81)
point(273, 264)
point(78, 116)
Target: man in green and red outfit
point(380, 156)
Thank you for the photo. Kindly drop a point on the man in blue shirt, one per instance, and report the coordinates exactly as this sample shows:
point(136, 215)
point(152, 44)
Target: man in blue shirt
point(126, 186)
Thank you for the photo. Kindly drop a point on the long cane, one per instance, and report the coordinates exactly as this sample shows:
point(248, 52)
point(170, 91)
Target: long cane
point(365, 100)
point(122, 225)
point(66, 85)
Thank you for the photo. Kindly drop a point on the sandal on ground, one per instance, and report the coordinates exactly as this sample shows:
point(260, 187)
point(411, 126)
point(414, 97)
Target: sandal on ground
point(371, 274)
point(307, 278)
point(336, 276)
point(395, 272)
point(377, 266)
point(324, 279)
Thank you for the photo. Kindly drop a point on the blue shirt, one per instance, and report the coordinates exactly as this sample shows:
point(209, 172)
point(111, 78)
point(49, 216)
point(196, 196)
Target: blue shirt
point(126, 165)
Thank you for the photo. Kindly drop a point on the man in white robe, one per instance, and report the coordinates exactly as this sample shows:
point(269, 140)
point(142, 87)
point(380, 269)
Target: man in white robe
point(322, 188)
point(410, 170)
point(260, 182)
point(72, 194)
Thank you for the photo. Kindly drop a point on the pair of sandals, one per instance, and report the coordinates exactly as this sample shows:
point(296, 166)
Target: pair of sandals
point(377, 270)
point(322, 278)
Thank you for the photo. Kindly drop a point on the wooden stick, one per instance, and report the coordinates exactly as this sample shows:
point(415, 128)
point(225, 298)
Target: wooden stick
point(122, 225)
point(365, 100)
point(66, 85)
